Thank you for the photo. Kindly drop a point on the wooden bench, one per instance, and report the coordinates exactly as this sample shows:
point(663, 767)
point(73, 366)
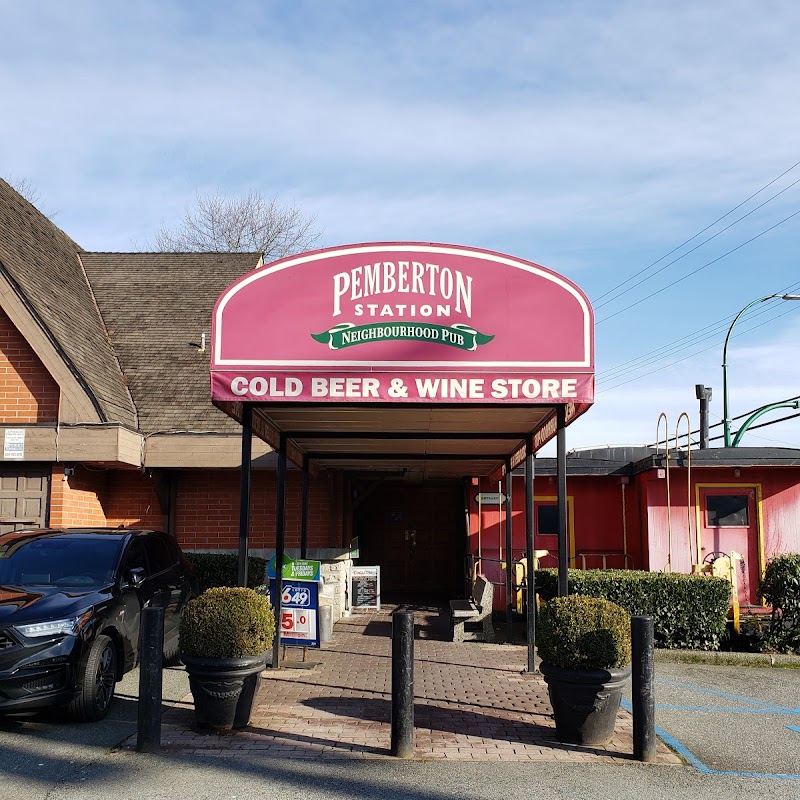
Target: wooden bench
point(475, 611)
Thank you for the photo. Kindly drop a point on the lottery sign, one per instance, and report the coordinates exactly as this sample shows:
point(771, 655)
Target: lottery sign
point(298, 618)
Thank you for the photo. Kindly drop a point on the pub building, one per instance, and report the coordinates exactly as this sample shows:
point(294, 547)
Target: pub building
point(375, 393)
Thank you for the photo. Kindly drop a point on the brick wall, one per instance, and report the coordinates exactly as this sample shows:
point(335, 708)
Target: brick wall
point(28, 394)
point(134, 501)
point(79, 500)
point(207, 513)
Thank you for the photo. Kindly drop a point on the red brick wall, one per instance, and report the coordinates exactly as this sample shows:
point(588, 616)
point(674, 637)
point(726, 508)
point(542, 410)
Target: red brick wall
point(207, 511)
point(28, 394)
point(207, 514)
point(134, 501)
point(79, 500)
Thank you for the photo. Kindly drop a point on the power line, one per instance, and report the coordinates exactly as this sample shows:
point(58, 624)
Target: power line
point(697, 247)
point(690, 355)
point(699, 269)
point(699, 233)
point(691, 339)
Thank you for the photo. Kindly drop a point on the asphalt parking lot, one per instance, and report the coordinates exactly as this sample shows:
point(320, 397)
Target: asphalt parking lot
point(49, 742)
point(729, 723)
point(731, 720)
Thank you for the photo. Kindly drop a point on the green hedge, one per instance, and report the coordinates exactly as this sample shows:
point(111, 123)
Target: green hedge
point(689, 611)
point(222, 569)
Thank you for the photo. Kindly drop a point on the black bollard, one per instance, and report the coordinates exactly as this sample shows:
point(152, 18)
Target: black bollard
point(402, 684)
point(644, 701)
point(148, 729)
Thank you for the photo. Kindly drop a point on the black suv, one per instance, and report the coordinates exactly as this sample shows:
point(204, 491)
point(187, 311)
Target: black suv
point(70, 609)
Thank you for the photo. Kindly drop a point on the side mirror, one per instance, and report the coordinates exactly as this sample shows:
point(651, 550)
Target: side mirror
point(134, 578)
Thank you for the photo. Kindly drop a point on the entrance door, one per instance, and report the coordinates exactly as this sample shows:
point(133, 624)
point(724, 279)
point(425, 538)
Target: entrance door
point(413, 534)
point(23, 498)
point(729, 523)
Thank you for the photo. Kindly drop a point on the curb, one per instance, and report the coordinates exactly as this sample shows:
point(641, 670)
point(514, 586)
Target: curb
point(728, 659)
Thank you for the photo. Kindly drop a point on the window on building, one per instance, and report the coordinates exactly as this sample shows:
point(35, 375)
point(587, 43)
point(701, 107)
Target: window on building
point(727, 511)
point(547, 520)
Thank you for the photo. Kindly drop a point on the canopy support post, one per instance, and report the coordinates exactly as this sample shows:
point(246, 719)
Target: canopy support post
point(530, 583)
point(244, 492)
point(509, 559)
point(280, 521)
point(304, 516)
point(561, 469)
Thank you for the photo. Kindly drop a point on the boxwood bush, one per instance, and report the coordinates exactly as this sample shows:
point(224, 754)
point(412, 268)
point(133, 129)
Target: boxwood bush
point(580, 632)
point(222, 569)
point(780, 587)
point(689, 611)
point(227, 622)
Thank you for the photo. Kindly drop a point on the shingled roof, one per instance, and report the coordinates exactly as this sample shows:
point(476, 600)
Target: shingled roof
point(43, 264)
point(156, 307)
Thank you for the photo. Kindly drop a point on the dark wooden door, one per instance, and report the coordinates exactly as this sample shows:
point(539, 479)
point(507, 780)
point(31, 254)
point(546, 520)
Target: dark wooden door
point(23, 498)
point(413, 533)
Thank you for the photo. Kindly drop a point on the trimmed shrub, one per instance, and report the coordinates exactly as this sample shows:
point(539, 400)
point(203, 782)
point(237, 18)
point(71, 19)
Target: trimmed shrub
point(580, 632)
point(780, 587)
point(222, 569)
point(227, 622)
point(689, 611)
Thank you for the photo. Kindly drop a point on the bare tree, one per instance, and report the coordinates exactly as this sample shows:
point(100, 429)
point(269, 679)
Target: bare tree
point(251, 223)
point(25, 187)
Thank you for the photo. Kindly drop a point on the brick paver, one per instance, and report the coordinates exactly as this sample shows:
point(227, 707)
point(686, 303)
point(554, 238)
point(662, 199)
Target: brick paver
point(473, 702)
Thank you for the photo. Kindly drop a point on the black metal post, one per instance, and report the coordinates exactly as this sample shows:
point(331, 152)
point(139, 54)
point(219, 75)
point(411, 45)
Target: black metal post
point(643, 695)
point(304, 515)
point(280, 546)
point(509, 559)
point(531, 552)
point(561, 469)
point(244, 492)
point(403, 684)
point(148, 726)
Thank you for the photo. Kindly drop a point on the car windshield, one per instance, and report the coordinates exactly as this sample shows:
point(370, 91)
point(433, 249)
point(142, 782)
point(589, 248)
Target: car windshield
point(66, 561)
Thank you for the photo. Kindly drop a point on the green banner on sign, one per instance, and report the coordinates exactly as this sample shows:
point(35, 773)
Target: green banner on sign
point(347, 334)
point(296, 569)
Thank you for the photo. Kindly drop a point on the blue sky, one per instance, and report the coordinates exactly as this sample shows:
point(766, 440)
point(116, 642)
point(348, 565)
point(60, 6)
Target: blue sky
point(591, 137)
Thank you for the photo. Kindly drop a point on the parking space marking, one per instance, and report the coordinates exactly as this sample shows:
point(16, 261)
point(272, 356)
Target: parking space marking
point(690, 757)
point(767, 707)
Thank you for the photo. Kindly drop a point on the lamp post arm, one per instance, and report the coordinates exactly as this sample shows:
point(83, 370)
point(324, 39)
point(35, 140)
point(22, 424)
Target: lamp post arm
point(726, 419)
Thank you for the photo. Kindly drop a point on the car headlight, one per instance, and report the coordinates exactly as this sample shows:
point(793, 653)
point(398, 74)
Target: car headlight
point(66, 627)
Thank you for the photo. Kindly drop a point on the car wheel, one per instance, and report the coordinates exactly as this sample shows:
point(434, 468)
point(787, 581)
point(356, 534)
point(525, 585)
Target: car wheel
point(97, 679)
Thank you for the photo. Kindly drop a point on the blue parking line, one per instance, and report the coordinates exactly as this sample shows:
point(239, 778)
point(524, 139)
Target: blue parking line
point(777, 710)
point(716, 693)
point(695, 762)
point(795, 728)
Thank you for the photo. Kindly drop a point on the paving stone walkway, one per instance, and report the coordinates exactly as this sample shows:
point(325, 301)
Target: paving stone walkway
point(473, 702)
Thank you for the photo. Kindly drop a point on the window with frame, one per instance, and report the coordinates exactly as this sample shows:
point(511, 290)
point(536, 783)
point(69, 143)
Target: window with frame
point(727, 511)
point(547, 520)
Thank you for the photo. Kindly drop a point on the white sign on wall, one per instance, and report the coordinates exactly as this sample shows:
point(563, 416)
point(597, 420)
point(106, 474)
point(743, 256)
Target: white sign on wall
point(14, 443)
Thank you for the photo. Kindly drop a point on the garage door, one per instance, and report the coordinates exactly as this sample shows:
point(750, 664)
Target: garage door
point(23, 498)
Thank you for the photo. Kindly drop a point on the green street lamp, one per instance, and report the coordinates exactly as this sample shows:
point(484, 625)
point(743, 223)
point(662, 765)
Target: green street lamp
point(726, 414)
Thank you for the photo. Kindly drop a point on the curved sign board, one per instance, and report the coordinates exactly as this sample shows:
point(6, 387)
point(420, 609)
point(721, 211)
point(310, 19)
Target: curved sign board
point(404, 322)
